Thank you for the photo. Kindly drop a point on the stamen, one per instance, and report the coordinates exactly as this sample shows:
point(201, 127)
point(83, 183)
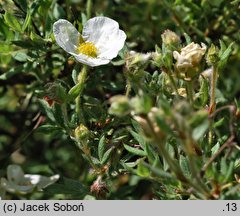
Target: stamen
point(87, 48)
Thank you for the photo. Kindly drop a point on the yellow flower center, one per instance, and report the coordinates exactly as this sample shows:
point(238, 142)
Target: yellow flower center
point(87, 48)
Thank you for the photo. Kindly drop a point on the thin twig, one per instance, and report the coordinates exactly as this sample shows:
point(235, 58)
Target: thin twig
point(228, 143)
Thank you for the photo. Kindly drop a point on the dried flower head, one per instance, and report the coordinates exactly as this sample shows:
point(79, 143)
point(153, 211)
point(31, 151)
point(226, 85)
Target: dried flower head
point(190, 56)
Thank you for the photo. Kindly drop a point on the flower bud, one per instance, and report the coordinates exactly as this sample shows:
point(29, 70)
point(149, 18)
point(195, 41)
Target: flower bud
point(82, 133)
point(145, 126)
point(190, 56)
point(120, 105)
point(182, 92)
point(99, 188)
point(170, 38)
point(212, 55)
point(154, 116)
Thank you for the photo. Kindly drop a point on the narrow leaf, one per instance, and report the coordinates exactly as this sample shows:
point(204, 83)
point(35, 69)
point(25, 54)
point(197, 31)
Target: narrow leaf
point(12, 22)
point(135, 151)
point(106, 156)
point(75, 91)
point(101, 147)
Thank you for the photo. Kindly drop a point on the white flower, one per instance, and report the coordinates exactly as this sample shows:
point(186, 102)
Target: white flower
point(100, 41)
point(190, 56)
point(18, 182)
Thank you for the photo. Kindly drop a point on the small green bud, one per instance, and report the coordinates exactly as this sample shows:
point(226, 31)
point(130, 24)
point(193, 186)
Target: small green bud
point(120, 105)
point(212, 55)
point(170, 38)
point(82, 133)
point(157, 58)
point(147, 131)
point(141, 104)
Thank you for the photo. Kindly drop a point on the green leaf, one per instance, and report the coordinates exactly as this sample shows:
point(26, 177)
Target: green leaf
point(223, 47)
point(84, 18)
point(27, 20)
point(12, 22)
point(75, 91)
point(134, 150)
point(47, 109)
point(215, 148)
point(20, 56)
point(101, 147)
point(142, 170)
point(142, 103)
point(11, 72)
point(158, 172)
point(72, 188)
point(139, 139)
point(48, 129)
point(204, 91)
point(106, 155)
point(31, 44)
point(75, 72)
point(184, 166)
point(58, 12)
point(61, 92)
point(187, 38)
point(37, 39)
point(5, 47)
point(224, 54)
point(58, 114)
point(151, 154)
point(199, 131)
point(219, 123)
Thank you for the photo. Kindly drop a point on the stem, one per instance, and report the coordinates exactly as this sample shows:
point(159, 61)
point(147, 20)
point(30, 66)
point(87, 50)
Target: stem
point(89, 8)
point(128, 82)
point(128, 88)
point(212, 105)
point(226, 144)
point(213, 89)
point(189, 88)
point(174, 85)
point(65, 115)
point(176, 168)
point(68, 9)
point(81, 79)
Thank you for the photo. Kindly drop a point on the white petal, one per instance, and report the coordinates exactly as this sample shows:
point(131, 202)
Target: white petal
point(93, 62)
point(41, 181)
point(115, 43)
point(15, 173)
point(15, 188)
point(176, 55)
point(106, 36)
point(66, 35)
